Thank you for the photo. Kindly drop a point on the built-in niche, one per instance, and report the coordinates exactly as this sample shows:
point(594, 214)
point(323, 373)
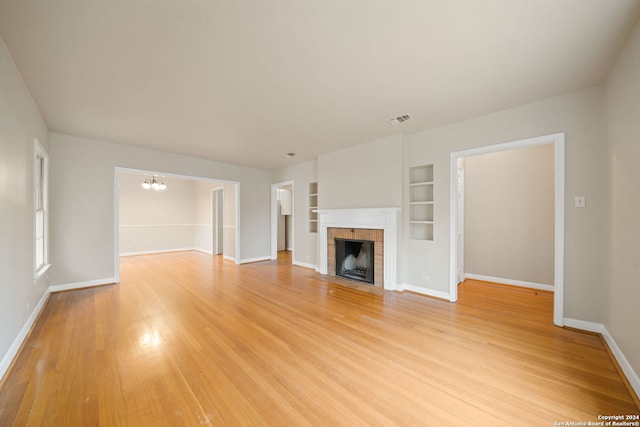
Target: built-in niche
point(421, 202)
point(313, 207)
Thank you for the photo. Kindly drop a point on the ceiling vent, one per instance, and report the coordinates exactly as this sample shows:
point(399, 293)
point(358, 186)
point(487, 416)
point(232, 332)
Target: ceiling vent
point(400, 119)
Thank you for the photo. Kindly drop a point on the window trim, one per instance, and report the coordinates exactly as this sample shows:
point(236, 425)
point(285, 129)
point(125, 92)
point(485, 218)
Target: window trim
point(40, 187)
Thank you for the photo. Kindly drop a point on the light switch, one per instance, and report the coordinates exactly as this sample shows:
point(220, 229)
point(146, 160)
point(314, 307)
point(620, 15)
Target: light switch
point(580, 201)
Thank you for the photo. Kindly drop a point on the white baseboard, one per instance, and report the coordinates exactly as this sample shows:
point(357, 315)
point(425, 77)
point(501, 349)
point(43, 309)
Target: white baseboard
point(229, 258)
point(583, 325)
point(423, 291)
point(631, 375)
point(258, 259)
point(24, 332)
point(158, 251)
point(512, 282)
point(305, 265)
point(164, 251)
point(204, 251)
point(624, 364)
point(22, 335)
point(80, 285)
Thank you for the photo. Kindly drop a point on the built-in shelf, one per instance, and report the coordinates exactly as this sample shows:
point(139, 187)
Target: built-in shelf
point(421, 202)
point(313, 207)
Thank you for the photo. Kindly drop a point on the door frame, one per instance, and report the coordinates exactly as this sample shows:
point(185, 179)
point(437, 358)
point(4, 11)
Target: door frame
point(558, 140)
point(460, 220)
point(274, 217)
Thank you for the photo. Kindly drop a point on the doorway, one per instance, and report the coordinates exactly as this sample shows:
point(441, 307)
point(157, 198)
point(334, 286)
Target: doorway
point(184, 213)
point(457, 190)
point(282, 219)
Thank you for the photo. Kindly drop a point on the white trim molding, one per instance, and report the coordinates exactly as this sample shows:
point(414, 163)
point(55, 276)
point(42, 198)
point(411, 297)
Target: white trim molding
point(511, 282)
point(161, 251)
point(204, 251)
point(305, 265)
point(163, 225)
point(424, 291)
point(631, 375)
point(583, 325)
point(624, 364)
point(257, 259)
point(376, 218)
point(22, 335)
point(164, 251)
point(81, 285)
point(41, 182)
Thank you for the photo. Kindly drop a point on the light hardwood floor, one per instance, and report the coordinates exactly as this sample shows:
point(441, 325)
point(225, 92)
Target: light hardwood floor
point(187, 339)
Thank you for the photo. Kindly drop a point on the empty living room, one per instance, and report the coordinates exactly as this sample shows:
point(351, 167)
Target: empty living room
point(319, 213)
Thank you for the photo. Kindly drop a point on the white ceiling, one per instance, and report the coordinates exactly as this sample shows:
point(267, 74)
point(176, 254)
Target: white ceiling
point(246, 81)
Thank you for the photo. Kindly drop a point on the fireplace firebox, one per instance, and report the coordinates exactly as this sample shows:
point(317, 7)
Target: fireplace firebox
point(354, 259)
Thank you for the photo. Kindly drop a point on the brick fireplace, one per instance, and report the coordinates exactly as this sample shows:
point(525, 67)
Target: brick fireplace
point(378, 225)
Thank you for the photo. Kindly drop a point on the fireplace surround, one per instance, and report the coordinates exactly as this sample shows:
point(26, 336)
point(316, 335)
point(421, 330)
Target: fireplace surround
point(382, 221)
point(376, 237)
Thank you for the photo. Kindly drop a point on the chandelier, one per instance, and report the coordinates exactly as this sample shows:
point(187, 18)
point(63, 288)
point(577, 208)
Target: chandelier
point(154, 184)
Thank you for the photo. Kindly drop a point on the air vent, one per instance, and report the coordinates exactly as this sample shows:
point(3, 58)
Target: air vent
point(400, 119)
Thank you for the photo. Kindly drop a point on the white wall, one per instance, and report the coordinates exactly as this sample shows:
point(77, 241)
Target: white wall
point(509, 214)
point(306, 243)
point(177, 218)
point(20, 123)
point(156, 221)
point(289, 230)
point(622, 115)
point(578, 114)
point(229, 243)
point(282, 232)
point(82, 208)
point(365, 176)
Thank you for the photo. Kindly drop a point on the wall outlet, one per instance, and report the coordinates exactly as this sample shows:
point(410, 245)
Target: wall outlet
point(580, 201)
point(425, 278)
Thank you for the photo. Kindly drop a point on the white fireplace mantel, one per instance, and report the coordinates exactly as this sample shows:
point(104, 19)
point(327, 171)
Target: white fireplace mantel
point(375, 218)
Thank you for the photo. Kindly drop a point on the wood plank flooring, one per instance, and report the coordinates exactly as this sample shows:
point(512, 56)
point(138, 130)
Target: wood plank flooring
point(187, 339)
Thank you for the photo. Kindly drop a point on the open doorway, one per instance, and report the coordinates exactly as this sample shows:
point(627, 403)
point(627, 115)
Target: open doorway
point(282, 220)
point(459, 192)
point(158, 212)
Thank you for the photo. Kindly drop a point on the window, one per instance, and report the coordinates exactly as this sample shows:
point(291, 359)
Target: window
point(40, 179)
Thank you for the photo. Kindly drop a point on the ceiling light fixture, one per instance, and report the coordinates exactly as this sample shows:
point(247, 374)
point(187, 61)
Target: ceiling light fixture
point(154, 184)
point(400, 119)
